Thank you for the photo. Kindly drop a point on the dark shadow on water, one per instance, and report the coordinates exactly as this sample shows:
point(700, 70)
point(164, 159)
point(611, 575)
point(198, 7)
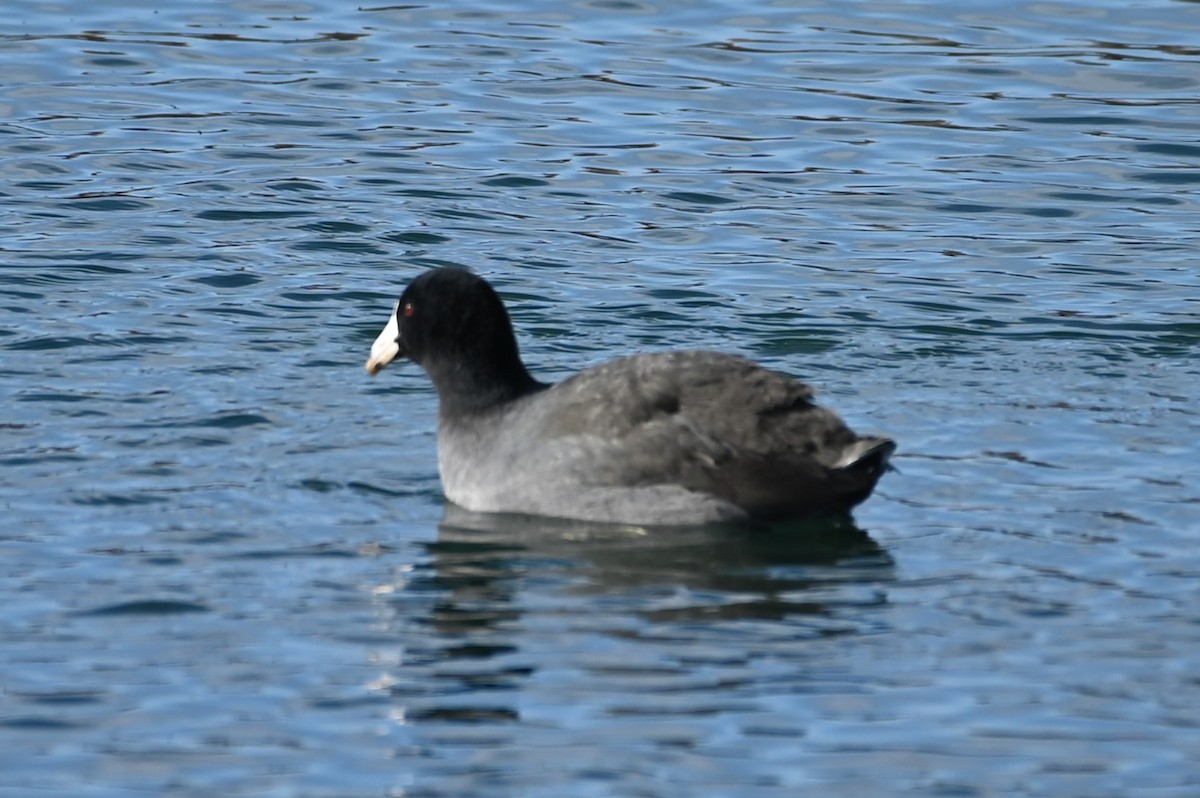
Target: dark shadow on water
point(609, 559)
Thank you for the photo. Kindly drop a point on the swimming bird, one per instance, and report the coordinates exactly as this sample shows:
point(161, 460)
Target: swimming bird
point(671, 438)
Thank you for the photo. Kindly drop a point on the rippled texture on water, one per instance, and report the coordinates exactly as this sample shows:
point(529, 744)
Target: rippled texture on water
point(225, 563)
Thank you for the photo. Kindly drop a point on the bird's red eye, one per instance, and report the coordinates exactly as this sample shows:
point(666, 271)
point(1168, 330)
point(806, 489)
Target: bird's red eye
point(408, 310)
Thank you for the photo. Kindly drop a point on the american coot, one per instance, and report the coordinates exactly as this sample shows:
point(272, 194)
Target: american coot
point(688, 437)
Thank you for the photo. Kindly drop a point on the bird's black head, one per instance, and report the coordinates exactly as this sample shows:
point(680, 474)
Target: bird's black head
point(454, 324)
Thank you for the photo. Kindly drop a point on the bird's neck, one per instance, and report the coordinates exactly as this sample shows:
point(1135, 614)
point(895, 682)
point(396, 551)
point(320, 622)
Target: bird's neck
point(473, 389)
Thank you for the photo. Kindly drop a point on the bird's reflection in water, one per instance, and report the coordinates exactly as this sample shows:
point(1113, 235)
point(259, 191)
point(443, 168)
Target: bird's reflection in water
point(481, 562)
point(500, 595)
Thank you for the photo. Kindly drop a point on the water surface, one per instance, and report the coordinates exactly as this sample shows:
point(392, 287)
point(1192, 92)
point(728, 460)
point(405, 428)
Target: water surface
point(225, 563)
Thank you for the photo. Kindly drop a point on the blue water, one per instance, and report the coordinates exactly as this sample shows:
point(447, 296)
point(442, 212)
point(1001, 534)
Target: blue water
point(225, 564)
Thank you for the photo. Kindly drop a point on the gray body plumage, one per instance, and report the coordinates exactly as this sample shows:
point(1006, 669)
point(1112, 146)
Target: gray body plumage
point(669, 438)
